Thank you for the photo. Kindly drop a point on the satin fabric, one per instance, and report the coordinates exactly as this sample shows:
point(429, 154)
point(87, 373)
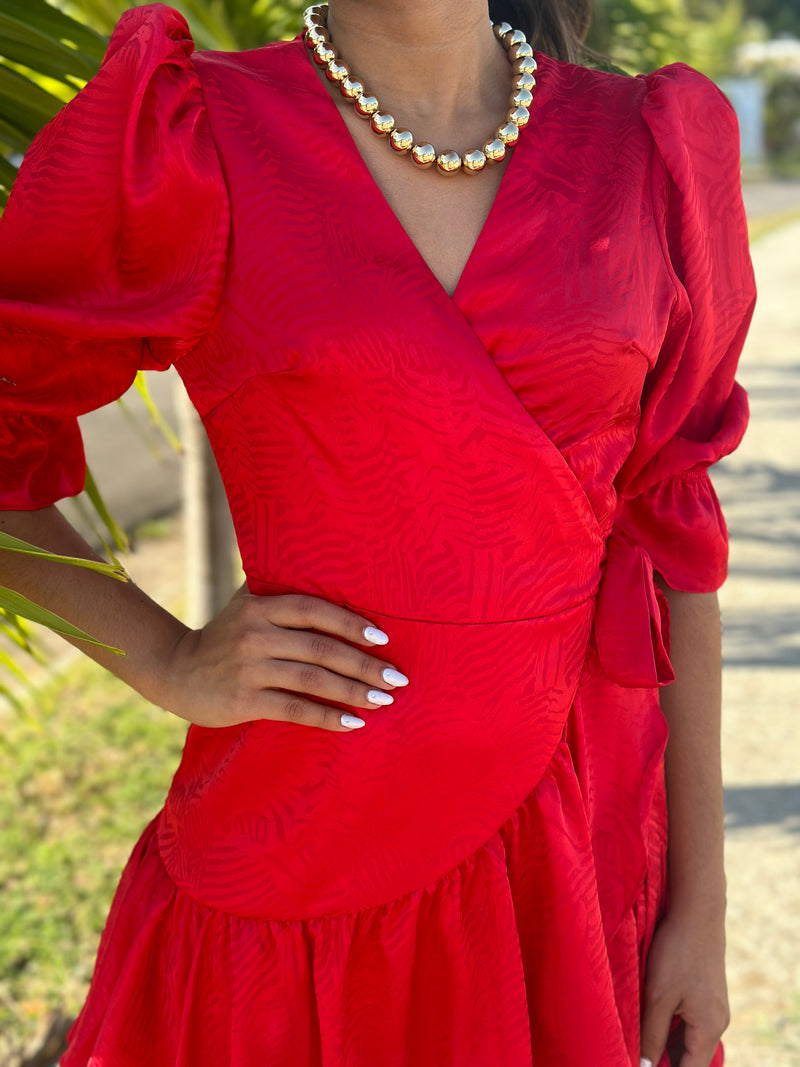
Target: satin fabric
point(493, 478)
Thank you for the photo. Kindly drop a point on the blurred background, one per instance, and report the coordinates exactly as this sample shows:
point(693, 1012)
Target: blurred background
point(84, 763)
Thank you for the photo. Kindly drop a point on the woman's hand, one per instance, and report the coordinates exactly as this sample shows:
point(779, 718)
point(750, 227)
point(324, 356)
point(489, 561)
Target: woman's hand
point(233, 670)
point(686, 977)
point(237, 667)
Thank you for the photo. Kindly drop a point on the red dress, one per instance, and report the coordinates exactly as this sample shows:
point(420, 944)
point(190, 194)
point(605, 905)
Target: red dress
point(472, 879)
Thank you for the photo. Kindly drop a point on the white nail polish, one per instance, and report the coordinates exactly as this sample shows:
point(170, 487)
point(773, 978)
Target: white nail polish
point(375, 636)
point(377, 696)
point(352, 722)
point(393, 677)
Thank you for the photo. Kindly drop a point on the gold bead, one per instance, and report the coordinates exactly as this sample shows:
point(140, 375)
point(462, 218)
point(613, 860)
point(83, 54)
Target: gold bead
point(494, 151)
point(473, 162)
point(337, 72)
point(522, 98)
point(448, 162)
point(508, 134)
point(525, 65)
point(324, 53)
point(401, 140)
point(514, 38)
point(351, 87)
point(366, 105)
point(424, 155)
point(382, 124)
point(315, 37)
point(520, 51)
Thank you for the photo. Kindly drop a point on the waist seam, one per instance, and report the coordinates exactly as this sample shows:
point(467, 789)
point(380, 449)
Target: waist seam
point(434, 622)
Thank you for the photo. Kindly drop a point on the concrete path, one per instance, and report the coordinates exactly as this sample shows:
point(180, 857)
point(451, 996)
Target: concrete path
point(759, 487)
point(771, 197)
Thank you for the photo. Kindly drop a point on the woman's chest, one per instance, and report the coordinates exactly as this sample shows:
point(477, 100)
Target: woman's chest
point(552, 270)
point(569, 301)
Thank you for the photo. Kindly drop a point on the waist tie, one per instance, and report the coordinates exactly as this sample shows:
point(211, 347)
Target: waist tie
point(632, 619)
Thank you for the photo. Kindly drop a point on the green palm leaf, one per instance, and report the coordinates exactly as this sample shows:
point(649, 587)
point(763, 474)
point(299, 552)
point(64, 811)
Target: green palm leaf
point(16, 544)
point(113, 527)
point(12, 666)
point(156, 417)
point(25, 107)
point(24, 43)
point(17, 604)
point(53, 23)
point(17, 631)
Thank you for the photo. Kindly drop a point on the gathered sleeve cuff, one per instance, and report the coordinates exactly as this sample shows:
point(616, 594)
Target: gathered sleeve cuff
point(693, 411)
point(113, 250)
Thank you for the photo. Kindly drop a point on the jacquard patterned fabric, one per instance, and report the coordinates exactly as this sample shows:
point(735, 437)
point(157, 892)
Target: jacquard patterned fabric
point(474, 878)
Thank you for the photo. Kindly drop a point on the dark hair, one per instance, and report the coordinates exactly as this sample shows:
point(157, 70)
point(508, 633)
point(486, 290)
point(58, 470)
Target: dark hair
point(556, 27)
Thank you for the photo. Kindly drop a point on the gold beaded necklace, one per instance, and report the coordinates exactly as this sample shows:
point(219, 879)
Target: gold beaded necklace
point(520, 55)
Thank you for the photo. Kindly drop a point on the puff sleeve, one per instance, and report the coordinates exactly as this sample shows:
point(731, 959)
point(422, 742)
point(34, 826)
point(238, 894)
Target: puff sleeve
point(692, 410)
point(113, 251)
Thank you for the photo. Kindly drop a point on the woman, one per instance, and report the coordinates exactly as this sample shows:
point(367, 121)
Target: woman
point(467, 414)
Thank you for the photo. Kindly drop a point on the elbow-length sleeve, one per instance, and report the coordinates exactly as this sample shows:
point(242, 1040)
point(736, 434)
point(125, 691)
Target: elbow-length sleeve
point(113, 251)
point(693, 412)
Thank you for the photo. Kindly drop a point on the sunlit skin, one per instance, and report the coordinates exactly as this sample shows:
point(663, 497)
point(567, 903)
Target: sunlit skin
point(453, 96)
point(437, 66)
point(686, 965)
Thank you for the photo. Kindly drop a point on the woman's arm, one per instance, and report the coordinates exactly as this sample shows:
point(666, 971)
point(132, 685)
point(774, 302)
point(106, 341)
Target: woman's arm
point(686, 963)
point(118, 613)
point(237, 668)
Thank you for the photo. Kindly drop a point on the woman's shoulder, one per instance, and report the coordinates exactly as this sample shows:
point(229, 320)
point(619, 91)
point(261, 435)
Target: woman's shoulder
point(674, 91)
point(152, 29)
point(161, 31)
point(275, 62)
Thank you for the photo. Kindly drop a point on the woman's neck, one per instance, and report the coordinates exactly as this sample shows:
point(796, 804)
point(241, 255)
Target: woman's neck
point(426, 57)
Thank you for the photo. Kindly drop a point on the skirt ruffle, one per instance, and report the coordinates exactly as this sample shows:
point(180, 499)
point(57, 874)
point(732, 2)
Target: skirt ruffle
point(530, 952)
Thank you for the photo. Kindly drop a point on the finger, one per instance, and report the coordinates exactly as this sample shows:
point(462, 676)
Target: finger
point(700, 1044)
point(317, 681)
point(656, 1019)
point(300, 611)
point(289, 707)
point(310, 648)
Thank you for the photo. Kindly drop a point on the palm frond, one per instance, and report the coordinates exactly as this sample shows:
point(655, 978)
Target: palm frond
point(16, 544)
point(111, 524)
point(17, 604)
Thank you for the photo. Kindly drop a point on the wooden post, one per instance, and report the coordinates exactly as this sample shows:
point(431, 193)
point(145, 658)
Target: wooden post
point(209, 537)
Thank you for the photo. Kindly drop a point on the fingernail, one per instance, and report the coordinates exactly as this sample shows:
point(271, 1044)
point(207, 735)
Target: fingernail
point(393, 677)
point(375, 636)
point(377, 696)
point(644, 1062)
point(352, 722)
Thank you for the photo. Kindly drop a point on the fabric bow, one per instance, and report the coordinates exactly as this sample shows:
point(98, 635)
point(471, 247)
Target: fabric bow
point(632, 619)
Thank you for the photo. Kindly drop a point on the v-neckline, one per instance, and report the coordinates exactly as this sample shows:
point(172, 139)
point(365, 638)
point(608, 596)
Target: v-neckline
point(343, 131)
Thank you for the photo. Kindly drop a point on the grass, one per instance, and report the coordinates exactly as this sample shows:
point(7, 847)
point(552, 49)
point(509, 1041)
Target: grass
point(80, 780)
